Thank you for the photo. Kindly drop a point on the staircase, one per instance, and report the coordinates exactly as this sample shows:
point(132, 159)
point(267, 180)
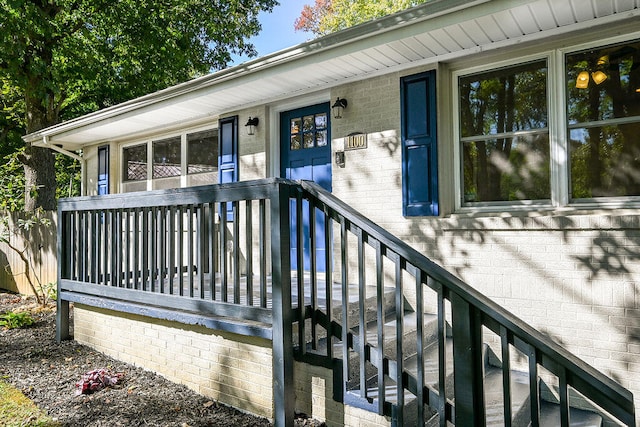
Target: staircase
point(368, 396)
point(416, 344)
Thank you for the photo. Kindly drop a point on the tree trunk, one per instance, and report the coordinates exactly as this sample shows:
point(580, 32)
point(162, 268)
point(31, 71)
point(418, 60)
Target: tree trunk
point(39, 163)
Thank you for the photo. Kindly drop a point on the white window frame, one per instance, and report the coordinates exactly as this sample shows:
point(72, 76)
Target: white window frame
point(149, 144)
point(510, 205)
point(557, 122)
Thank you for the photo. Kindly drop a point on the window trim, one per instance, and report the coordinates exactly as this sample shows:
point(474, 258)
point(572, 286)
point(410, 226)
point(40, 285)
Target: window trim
point(558, 133)
point(457, 139)
point(148, 142)
point(621, 202)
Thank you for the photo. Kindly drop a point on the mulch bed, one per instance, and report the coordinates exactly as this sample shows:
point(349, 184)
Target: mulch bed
point(47, 372)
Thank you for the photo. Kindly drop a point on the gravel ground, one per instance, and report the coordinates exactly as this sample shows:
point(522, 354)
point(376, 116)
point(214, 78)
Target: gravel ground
point(47, 373)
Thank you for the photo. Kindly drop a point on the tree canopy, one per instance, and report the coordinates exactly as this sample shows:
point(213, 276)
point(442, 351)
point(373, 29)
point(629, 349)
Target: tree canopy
point(63, 58)
point(328, 16)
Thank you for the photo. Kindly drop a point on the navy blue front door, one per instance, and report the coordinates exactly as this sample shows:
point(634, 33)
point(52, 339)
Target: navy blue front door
point(306, 154)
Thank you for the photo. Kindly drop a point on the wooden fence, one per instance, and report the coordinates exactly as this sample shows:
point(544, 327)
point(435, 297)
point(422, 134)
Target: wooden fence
point(41, 253)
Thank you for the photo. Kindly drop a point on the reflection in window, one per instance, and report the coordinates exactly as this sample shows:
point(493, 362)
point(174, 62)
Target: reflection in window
point(504, 134)
point(166, 157)
point(309, 131)
point(603, 113)
point(135, 163)
point(202, 152)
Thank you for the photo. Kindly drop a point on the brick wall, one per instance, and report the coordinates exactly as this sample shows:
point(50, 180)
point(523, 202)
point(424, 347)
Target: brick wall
point(233, 369)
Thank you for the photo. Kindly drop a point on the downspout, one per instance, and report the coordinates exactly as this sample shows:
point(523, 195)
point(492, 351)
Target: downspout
point(59, 149)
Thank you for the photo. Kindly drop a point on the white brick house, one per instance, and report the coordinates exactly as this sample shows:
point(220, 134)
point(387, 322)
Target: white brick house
point(532, 178)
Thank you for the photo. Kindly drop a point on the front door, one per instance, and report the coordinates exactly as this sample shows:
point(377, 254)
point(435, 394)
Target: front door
point(306, 154)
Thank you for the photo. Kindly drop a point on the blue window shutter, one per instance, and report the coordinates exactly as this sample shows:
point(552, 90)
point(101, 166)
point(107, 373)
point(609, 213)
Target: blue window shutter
point(419, 155)
point(228, 154)
point(103, 170)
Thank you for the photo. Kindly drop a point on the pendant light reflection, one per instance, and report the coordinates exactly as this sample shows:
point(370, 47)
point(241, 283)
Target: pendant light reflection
point(582, 82)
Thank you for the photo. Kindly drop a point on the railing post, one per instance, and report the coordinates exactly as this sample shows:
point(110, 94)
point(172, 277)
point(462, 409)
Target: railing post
point(282, 315)
point(62, 311)
point(468, 370)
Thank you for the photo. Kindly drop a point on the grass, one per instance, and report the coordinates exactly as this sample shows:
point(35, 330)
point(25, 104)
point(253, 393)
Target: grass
point(16, 410)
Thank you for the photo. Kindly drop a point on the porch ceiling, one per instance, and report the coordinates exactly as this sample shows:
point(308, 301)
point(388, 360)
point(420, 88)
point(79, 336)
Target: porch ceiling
point(435, 31)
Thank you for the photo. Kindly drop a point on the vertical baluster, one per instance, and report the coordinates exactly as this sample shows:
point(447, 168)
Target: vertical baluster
point(380, 323)
point(172, 268)
point(136, 248)
point(263, 254)
point(127, 259)
point(249, 250)
point(442, 352)
point(202, 244)
point(72, 244)
point(506, 375)
point(110, 248)
point(534, 389)
point(299, 232)
point(213, 241)
point(96, 246)
point(236, 252)
point(362, 298)
point(328, 268)
point(144, 255)
point(83, 245)
point(153, 253)
point(180, 262)
point(162, 247)
point(564, 397)
point(224, 284)
point(345, 302)
point(106, 232)
point(313, 276)
point(399, 310)
point(121, 250)
point(417, 274)
point(190, 248)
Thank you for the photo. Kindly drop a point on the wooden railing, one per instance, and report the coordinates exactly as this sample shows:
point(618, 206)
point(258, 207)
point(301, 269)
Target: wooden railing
point(221, 255)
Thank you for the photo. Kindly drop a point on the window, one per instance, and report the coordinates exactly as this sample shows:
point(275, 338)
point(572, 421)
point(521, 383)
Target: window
point(202, 152)
point(135, 163)
point(308, 131)
point(504, 135)
point(603, 121)
point(166, 158)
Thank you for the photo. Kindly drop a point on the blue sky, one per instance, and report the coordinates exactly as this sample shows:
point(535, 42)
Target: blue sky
point(277, 29)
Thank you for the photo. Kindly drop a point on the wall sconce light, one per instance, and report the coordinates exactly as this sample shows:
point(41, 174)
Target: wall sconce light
point(583, 80)
point(251, 125)
point(338, 107)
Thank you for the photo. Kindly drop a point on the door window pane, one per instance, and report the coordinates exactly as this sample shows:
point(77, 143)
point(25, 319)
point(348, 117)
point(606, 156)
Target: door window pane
point(166, 157)
point(202, 152)
point(135, 163)
point(309, 131)
point(504, 134)
point(603, 114)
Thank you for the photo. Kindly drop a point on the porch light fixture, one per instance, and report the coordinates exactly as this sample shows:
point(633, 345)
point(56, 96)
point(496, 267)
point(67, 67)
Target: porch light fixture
point(251, 125)
point(338, 107)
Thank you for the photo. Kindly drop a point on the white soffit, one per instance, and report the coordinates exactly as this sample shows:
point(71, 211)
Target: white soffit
point(435, 31)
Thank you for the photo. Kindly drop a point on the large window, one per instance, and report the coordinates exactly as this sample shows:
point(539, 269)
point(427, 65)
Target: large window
point(166, 158)
point(182, 160)
point(603, 120)
point(202, 152)
point(504, 135)
point(135, 163)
